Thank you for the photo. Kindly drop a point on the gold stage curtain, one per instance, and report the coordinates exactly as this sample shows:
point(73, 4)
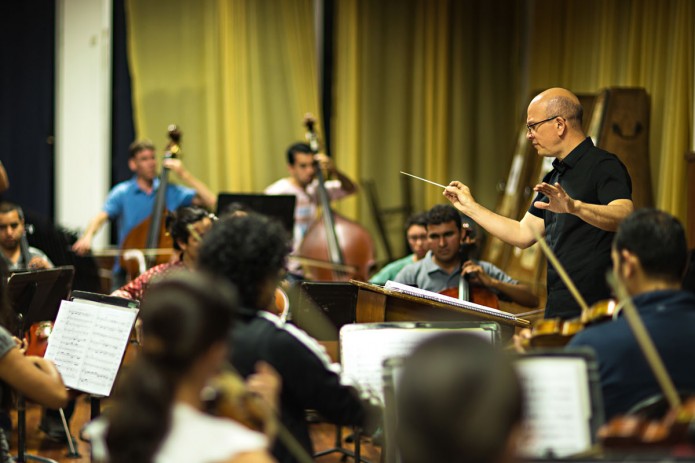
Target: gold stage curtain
point(586, 45)
point(237, 75)
point(427, 87)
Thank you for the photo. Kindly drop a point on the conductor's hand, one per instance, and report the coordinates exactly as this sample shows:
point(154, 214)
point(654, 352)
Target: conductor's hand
point(83, 245)
point(459, 195)
point(475, 274)
point(558, 199)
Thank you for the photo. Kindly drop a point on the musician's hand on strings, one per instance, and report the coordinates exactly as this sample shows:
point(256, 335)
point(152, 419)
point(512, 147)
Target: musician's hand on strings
point(325, 162)
point(266, 383)
point(21, 344)
point(475, 274)
point(521, 340)
point(459, 195)
point(558, 199)
point(175, 165)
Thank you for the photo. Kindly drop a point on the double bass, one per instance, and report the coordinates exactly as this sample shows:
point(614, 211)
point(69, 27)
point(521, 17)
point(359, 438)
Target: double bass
point(332, 237)
point(151, 234)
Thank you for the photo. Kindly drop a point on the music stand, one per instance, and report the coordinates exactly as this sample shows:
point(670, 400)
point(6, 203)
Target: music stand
point(35, 296)
point(280, 207)
point(95, 400)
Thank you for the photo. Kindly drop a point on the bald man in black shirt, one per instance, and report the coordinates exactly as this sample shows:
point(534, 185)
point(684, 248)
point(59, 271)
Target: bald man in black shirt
point(578, 207)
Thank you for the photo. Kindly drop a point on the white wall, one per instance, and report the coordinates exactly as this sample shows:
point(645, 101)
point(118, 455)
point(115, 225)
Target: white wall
point(83, 110)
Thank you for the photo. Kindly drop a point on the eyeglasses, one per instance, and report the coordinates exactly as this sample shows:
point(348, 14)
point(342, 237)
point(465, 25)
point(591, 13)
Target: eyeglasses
point(532, 127)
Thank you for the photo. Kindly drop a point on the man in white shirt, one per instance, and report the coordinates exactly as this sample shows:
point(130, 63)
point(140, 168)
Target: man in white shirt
point(302, 183)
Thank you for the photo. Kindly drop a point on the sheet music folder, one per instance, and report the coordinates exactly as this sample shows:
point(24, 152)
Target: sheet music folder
point(88, 342)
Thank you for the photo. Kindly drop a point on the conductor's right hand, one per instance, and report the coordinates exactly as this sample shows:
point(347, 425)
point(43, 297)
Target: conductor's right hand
point(82, 246)
point(459, 195)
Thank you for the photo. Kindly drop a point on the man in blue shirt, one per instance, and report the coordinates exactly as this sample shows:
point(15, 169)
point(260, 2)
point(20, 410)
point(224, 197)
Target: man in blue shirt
point(649, 256)
point(131, 202)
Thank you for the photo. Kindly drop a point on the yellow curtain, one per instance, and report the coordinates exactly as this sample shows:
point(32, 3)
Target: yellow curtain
point(587, 45)
point(425, 86)
point(237, 75)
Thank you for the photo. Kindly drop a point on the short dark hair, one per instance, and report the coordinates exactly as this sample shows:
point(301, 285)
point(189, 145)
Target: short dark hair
point(246, 250)
point(139, 145)
point(419, 218)
point(658, 240)
point(297, 148)
point(6, 207)
point(458, 399)
point(178, 221)
point(443, 213)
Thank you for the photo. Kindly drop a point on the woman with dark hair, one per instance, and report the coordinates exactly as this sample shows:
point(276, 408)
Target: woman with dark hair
point(459, 400)
point(179, 224)
point(35, 377)
point(158, 412)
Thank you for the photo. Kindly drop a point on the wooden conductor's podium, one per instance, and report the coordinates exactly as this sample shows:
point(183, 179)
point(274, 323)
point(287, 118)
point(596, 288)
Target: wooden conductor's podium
point(377, 304)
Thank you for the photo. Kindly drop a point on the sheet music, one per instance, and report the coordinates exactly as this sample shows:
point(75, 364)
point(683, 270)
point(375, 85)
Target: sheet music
point(363, 351)
point(88, 342)
point(417, 292)
point(558, 406)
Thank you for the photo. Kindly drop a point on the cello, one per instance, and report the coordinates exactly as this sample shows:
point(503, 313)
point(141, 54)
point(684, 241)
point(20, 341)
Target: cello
point(332, 237)
point(151, 234)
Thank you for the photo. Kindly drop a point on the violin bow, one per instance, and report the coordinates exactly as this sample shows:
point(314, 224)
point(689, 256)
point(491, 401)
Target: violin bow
point(560, 270)
point(645, 341)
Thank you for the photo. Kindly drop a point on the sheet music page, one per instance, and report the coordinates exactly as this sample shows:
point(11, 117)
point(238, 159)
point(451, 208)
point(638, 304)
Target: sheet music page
point(558, 406)
point(88, 342)
point(363, 351)
point(417, 292)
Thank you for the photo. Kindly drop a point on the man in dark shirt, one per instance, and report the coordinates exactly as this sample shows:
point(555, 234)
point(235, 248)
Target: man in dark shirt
point(649, 256)
point(250, 251)
point(578, 207)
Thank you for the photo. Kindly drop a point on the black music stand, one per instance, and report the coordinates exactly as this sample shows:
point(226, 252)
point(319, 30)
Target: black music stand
point(36, 296)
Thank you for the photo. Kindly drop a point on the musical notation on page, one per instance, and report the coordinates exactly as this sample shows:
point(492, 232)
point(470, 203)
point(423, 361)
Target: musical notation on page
point(88, 342)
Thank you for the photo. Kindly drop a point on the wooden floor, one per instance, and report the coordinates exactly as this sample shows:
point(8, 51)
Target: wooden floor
point(322, 434)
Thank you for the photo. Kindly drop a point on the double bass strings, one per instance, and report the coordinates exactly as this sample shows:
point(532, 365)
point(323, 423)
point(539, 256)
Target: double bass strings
point(422, 179)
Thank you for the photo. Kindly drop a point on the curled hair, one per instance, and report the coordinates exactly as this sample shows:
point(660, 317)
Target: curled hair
point(246, 250)
point(139, 145)
point(178, 221)
point(443, 213)
point(297, 148)
point(183, 316)
point(458, 400)
point(658, 240)
point(565, 107)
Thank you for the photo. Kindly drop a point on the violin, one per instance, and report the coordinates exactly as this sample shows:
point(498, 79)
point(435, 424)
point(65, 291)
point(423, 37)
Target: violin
point(36, 338)
point(556, 332)
point(227, 396)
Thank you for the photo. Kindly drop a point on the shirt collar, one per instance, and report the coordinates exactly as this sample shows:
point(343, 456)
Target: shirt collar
point(136, 186)
point(430, 266)
point(573, 158)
